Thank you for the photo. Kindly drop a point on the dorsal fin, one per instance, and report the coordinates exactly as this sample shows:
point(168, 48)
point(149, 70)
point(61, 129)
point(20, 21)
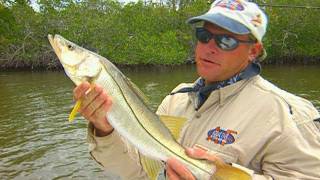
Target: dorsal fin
point(174, 124)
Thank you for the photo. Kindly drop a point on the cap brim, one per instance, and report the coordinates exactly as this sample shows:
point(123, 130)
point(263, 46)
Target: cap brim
point(221, 21)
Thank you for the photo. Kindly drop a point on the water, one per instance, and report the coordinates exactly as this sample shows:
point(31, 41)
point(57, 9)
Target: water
point(37, 141)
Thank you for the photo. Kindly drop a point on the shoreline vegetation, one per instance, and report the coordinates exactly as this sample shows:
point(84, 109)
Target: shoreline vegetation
point(143, 33)
point(23, 66)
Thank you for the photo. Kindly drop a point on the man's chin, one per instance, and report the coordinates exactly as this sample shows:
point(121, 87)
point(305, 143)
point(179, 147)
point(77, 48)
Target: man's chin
point(208, 76)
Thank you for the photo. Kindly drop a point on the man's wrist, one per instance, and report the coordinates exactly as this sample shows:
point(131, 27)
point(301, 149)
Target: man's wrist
point(100, 133)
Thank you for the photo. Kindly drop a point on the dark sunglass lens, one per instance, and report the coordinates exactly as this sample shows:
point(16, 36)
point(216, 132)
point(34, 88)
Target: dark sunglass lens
point(226, 42)
point(203, 35)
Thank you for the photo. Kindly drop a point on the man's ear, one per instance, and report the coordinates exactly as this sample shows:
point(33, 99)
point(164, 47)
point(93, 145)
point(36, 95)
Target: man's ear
point(255, 51)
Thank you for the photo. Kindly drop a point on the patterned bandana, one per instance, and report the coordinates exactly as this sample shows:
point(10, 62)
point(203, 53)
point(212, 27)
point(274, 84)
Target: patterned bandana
point(203, 91)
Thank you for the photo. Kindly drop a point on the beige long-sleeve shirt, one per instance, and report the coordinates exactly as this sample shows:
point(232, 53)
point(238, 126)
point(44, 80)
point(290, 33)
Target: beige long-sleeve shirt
point(251, 123)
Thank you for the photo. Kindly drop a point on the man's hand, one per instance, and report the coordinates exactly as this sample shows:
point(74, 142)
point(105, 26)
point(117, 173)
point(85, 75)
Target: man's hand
point(175, 170)
point(94, 107)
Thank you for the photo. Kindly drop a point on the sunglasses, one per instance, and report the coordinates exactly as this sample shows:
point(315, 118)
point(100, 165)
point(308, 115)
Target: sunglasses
point(223, 41)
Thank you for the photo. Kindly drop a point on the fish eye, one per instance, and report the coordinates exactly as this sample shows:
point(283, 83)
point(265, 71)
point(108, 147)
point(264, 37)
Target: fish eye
point(70, 47)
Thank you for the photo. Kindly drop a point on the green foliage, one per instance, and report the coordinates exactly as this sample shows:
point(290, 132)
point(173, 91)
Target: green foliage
point(293, 33)
point(138, 33)
point(7, 24)
point(20, 38)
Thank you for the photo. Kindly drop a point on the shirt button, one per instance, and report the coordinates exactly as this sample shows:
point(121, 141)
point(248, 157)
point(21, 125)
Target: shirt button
point(198, 115)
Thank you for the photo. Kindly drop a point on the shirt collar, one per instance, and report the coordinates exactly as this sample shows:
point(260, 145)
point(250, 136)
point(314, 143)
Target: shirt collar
point(203, 91)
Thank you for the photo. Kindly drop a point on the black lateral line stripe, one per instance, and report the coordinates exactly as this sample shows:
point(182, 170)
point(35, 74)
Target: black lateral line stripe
point(121, 90)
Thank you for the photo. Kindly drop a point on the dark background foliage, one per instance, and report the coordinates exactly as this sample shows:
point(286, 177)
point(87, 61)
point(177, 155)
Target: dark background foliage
point(144, 32)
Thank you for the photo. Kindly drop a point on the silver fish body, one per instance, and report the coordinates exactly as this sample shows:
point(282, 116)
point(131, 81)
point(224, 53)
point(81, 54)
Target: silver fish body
point(129, 114)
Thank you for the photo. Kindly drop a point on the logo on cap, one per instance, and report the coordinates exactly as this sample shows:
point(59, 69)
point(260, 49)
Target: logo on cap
point(221, 136)
point(257, 20)
point(230, 4)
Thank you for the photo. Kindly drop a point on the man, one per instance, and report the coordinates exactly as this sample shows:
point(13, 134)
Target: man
point(234, 115)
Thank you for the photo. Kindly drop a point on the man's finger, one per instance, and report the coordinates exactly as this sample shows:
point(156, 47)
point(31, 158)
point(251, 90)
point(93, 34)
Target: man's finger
point(88, 99)
point(101, 105)
point(198, 152)
point(179, 169)
point(171, 174)
point(107, 103)
point(92, 107)
point(80, 90)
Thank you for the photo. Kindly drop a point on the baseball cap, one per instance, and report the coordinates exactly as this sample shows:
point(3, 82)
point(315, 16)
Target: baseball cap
point(237, 16)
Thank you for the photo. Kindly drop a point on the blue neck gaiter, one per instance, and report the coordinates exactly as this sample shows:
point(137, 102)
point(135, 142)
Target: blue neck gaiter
point(203, 91)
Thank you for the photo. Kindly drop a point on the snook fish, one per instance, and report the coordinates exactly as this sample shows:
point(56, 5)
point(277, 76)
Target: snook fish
point(129, 114)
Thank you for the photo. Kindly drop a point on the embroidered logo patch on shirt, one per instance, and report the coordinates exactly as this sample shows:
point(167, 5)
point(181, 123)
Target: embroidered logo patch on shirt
point(221, 136)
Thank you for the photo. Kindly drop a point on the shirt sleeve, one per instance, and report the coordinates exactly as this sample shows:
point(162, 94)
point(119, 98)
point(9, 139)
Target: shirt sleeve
point(164, 107)
point(115, 155)
point(295, 154)
point(292, 155)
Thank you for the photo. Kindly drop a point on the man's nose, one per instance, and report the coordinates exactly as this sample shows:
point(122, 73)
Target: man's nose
point(211, 46)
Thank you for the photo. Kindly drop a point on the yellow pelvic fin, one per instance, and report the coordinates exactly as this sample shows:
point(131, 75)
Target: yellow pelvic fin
point(174, 124)
point(75, 110)
point(77, 106)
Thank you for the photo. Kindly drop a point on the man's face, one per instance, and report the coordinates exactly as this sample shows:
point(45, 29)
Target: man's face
point(215, 64)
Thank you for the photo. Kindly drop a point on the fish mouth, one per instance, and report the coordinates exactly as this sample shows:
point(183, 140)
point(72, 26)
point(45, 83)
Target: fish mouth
point(52, 41)
point(59, 45)
point(50, 38)
point(67, 52)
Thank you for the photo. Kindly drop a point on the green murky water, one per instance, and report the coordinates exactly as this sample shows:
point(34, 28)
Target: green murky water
point(37, 142)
